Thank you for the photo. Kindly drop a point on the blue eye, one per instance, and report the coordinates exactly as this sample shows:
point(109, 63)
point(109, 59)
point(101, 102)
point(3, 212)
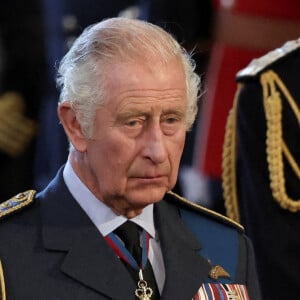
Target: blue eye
point(171, 120)
point(133, 123)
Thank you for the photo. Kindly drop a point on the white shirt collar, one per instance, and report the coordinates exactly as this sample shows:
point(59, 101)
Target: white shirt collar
point(100, 214)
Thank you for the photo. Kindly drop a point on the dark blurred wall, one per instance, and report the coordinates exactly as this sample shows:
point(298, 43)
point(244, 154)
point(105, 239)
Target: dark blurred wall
point(22, 65)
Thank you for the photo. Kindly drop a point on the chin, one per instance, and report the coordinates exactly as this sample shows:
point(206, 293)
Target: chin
point(145, 197)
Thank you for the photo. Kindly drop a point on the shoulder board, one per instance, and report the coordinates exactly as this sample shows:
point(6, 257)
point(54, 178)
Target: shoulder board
point(259, 64)
point(16, 203)
point(191, 205)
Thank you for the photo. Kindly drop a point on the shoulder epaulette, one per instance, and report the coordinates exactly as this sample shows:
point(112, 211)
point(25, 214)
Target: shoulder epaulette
point(259, 64)
point(205, 210)
point(16, 203)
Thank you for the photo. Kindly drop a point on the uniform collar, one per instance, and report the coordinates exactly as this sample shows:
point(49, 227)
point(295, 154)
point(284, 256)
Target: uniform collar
point(100, 214)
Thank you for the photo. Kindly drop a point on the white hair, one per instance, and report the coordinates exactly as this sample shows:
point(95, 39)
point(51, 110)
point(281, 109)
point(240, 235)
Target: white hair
point(82, 71)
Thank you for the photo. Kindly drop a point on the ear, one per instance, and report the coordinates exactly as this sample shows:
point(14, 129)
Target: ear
point(71, 126)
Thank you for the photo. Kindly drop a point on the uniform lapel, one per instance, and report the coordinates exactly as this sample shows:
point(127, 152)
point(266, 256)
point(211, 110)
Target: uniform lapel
point(88, 260)
point(186, 270)
point(92, 263)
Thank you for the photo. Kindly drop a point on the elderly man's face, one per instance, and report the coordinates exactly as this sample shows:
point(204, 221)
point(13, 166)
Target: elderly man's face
point(138, 139)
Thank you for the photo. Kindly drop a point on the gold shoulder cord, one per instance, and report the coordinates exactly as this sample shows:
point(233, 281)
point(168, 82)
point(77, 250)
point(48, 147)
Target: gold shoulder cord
point(2, 283)
point(228, 163)
point(276, 146)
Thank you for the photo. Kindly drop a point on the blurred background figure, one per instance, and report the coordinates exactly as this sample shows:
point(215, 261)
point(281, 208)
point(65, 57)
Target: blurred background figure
point(242, 30)
point(22, 66)
point(64, 21)
point(261, 175)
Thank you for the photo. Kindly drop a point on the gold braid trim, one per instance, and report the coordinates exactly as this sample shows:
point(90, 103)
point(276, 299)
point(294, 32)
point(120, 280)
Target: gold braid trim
point(228, 163)
point(275, 145)
point(2, 283)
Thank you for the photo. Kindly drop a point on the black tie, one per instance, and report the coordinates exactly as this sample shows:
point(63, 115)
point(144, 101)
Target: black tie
point(129, 233)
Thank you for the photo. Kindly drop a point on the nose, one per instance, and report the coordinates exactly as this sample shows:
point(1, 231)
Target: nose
point(155, 144)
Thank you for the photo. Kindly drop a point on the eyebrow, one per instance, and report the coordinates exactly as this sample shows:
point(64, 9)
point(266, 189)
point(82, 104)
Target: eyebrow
point(180, 111)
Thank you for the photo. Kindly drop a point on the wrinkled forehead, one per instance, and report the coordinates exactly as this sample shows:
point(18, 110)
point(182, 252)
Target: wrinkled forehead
point(152, 70)
point(149, 83)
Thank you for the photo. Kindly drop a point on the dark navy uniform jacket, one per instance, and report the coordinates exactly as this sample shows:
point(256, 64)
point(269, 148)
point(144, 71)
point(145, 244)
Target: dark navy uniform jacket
point(50, 250)
point(268, 189)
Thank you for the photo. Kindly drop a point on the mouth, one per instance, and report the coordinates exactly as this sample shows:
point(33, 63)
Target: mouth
point(157, 179)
